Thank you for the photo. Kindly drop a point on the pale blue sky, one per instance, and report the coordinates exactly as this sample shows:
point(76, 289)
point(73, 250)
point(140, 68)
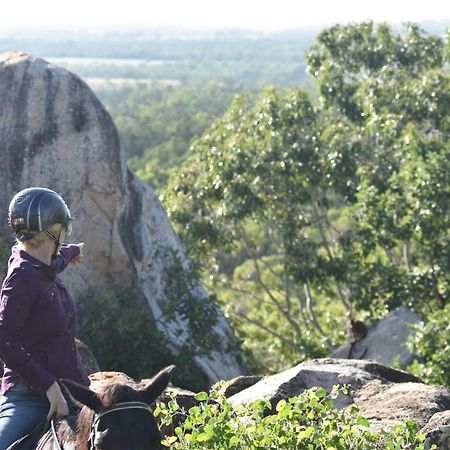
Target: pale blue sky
point(216, 13)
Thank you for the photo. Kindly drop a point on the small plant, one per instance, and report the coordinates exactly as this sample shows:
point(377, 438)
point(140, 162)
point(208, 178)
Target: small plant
point(308, 421)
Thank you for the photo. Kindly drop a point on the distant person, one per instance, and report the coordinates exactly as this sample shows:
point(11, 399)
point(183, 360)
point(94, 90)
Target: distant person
point(37, 315)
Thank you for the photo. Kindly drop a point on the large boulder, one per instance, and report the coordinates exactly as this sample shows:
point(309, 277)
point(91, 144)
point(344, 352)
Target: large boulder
point(438, 430)
point(55, 133)
point(384, 395)
point(324, 373)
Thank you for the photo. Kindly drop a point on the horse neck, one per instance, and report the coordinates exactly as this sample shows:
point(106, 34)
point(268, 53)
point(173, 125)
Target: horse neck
point(84, 423)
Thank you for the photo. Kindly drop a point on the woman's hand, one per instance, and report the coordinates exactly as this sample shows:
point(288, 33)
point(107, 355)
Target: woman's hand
point(77, 259)
point(58, 404)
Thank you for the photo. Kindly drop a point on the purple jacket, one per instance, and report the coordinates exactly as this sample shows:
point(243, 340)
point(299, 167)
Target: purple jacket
point(37, 322)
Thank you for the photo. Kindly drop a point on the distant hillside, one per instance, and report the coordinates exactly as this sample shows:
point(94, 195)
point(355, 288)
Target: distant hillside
point(249, 59)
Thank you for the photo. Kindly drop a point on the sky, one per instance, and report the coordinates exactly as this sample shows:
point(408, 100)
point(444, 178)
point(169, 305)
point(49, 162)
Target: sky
point(253, 14)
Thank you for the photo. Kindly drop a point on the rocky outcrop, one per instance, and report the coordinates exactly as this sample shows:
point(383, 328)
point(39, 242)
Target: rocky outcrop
point(385, 341)
point(383, 395)
point(324, 373)
point(55, 133)
point(438, 430)
point(238, 384)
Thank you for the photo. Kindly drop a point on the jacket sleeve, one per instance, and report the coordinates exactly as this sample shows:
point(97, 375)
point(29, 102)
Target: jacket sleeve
point(64, 256)
point(15, 304)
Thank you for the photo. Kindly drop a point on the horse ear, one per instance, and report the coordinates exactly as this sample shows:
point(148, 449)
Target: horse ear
point(82, 395)
point(157, 384)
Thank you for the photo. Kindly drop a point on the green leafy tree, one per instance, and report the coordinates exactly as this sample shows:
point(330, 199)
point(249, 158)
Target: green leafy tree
point(254, 202)
point(395, 91)
point(157, 123)
point(292, 207)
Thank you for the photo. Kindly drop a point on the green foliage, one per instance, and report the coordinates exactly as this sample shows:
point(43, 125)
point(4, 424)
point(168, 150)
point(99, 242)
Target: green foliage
point(308, 421)
point(290, 206)
point(251, 60)
point(346, 55)
point(184, 300)
point(394, 91)
point(156, 124)
point(114, 322)
point(430, 341)
point(254, 186)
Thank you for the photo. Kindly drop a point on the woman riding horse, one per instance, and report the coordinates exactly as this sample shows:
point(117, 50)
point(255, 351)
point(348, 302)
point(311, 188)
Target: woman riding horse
point(37, 315)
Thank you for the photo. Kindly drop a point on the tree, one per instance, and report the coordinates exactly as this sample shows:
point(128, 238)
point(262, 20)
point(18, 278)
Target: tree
point(253, 201)
point(306, 213)
point(395, 91)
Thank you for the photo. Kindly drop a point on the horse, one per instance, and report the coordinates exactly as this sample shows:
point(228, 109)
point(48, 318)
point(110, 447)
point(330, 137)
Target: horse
point(118, 418)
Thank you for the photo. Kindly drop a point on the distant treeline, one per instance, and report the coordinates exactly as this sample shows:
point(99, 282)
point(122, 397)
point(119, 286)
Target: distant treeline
point(252, 62)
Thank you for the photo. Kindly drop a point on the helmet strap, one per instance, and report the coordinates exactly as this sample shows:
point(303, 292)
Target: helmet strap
point(54, 238)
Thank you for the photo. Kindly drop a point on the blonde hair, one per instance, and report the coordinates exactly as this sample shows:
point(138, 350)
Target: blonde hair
point(42, 235)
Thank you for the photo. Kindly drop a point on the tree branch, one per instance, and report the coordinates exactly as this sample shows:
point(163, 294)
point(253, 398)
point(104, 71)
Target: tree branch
point(318, 221)
point(268, 330)
point(275, 302)
point(310, 308)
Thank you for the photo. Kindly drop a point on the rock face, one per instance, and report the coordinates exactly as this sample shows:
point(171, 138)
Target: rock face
point(55, 133)
point(88, 360)
point(238, 384)
point(383, 395)
point(324, 373)
point(385, 341)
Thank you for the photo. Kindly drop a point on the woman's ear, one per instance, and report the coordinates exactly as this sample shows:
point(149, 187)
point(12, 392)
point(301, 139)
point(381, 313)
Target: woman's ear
point(157, 384)
point(82, 395)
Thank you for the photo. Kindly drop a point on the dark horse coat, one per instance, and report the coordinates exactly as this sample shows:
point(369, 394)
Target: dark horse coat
point(119, 418)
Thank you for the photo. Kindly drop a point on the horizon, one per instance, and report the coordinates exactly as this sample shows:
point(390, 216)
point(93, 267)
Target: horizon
point(198, 15)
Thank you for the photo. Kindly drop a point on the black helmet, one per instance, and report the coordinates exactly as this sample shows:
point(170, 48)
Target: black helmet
point(35, 209)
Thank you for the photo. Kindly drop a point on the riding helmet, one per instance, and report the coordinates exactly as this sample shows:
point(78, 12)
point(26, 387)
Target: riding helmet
point(34, 209)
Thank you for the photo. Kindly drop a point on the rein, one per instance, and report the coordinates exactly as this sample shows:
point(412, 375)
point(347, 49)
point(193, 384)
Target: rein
point(55, 436)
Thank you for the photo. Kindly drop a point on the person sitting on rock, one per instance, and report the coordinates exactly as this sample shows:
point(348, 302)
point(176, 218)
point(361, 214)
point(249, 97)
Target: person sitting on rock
point(37, 315)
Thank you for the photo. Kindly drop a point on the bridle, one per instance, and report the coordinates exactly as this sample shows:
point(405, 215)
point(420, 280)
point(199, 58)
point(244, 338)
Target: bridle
point(110, 409)
point(97, 416)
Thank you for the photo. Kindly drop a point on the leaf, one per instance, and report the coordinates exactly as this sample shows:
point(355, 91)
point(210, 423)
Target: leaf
point(233, 441)
point(168, 441)
point(202, 437)
point(305, 434)
point(201, 396)
point(321, 393)
point(362, 421)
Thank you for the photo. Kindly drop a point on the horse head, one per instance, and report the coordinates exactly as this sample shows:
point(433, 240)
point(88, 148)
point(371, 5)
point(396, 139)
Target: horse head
point(119, 418)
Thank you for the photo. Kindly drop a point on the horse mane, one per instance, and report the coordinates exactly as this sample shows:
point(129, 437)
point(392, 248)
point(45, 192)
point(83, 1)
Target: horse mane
point(115, 393)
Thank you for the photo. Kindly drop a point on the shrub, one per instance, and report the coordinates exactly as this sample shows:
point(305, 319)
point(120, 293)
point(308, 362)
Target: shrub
point(117, 326)
point(308, 421)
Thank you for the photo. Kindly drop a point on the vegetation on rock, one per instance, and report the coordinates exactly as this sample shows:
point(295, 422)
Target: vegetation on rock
point(308, 421)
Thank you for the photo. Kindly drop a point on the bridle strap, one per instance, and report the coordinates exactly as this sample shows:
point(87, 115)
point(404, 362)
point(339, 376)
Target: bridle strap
point(55, 436)
point(121, 407)
point(110, 409)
